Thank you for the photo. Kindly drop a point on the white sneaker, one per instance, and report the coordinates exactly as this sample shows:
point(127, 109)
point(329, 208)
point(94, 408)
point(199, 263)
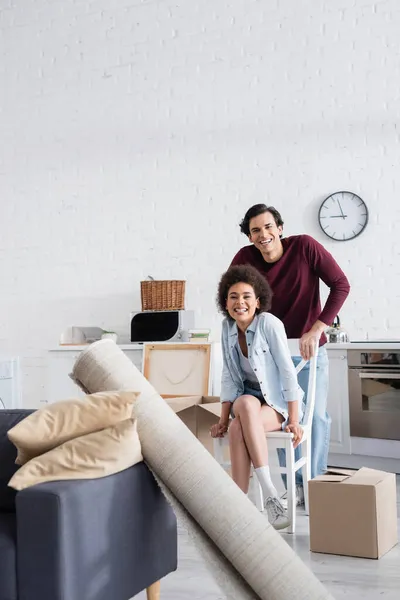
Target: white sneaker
point(299, 496)
point(277, 515)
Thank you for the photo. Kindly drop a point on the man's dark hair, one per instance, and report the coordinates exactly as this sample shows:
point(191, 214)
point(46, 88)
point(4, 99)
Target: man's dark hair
point(244, 274)
point(254, 211)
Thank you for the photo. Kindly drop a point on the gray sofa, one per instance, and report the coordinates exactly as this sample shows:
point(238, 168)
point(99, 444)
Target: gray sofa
point(82, 540)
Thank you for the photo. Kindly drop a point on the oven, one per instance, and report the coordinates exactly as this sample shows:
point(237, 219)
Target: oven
point(374, 394)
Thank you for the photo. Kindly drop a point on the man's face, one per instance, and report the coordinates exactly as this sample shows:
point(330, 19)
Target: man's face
point(265, 234)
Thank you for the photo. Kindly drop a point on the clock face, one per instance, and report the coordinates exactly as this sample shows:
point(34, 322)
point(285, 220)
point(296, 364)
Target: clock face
point(343, 216)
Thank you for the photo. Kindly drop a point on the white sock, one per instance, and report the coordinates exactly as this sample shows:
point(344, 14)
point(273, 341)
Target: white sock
point(264, 477)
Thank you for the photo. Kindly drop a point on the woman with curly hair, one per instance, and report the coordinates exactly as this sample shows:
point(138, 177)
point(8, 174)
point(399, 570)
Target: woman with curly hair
point(259, 387)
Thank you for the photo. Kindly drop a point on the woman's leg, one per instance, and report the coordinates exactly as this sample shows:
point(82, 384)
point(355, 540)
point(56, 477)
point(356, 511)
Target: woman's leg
point(240, 459)
point(255, 421)
point(248, 443)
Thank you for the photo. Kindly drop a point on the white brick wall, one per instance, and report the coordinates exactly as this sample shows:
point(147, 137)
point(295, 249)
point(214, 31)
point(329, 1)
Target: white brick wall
point(134, 135)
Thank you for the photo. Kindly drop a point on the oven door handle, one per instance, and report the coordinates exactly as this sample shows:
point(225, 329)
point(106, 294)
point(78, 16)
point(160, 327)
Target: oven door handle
point(385, 375)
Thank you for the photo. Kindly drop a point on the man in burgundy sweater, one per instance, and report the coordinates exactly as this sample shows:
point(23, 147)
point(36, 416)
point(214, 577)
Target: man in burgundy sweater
point(293, 267)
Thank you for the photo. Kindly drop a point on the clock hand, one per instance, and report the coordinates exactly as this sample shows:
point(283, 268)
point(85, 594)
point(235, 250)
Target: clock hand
point(341, 210)
point(338, 216)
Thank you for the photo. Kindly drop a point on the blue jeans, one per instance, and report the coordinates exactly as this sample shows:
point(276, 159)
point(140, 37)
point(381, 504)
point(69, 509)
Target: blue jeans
point(321, 425)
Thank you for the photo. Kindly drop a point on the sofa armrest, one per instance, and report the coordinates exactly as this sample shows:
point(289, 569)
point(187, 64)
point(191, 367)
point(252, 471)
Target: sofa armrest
point(94, 539)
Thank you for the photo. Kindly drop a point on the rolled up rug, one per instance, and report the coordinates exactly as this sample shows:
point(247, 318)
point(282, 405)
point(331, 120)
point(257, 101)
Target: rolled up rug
point(255, 551)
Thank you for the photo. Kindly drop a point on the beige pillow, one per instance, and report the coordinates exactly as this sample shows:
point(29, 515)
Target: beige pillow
point(87, 457)
point(57, 423)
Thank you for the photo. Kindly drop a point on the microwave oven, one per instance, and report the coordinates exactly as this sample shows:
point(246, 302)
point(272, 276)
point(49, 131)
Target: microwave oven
point(161, 326)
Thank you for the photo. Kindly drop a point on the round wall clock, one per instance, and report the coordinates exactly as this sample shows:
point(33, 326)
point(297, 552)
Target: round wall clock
point(343, 216)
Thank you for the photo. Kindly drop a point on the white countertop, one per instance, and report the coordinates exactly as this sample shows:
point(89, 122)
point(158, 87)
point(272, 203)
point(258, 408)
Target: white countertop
point(366, 345)
point(80, 347)
point(378, 345)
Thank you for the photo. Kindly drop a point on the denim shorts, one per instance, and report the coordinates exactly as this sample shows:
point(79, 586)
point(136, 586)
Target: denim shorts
point(257, 393)
point(249, 390)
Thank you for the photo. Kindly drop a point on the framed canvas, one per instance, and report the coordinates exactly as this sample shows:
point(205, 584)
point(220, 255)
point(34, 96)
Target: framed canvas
point(178, 369)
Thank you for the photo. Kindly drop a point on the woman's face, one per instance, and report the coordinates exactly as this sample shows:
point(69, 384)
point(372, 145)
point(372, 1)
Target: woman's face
point(242, 303)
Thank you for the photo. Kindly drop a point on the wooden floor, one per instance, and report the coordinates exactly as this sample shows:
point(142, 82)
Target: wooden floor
point(346, 578)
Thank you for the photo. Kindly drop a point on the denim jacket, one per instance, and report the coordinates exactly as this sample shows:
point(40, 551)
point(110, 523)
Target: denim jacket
point(270, 359)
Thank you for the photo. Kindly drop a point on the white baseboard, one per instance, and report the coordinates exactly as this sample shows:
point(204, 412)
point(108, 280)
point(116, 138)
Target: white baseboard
point(356, 461)
point(374, 447)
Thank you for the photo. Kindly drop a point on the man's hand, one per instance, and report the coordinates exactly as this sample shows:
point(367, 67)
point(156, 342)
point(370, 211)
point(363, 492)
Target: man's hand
point(310, 339)
point(219, 430)
point(297, 431)
point(307, 345)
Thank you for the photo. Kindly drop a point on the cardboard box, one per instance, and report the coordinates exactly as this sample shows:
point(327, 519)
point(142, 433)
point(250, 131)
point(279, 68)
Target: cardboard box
point(353, 513)
point(198, 413)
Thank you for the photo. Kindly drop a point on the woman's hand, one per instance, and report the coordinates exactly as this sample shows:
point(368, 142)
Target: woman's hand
point(219, 429)
point(297, 431)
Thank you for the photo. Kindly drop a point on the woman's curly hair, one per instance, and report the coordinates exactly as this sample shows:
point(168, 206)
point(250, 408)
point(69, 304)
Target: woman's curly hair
point(244, 274)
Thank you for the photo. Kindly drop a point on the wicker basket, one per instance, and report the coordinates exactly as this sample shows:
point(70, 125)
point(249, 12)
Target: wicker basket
point(163, 295)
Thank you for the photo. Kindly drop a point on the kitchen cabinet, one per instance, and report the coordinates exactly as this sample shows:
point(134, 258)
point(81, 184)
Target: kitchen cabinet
point(60, 387)
point(338, 402)
point(344, 450)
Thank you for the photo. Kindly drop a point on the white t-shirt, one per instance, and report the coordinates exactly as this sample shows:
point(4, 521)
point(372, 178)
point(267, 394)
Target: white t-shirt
point(248, 373)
